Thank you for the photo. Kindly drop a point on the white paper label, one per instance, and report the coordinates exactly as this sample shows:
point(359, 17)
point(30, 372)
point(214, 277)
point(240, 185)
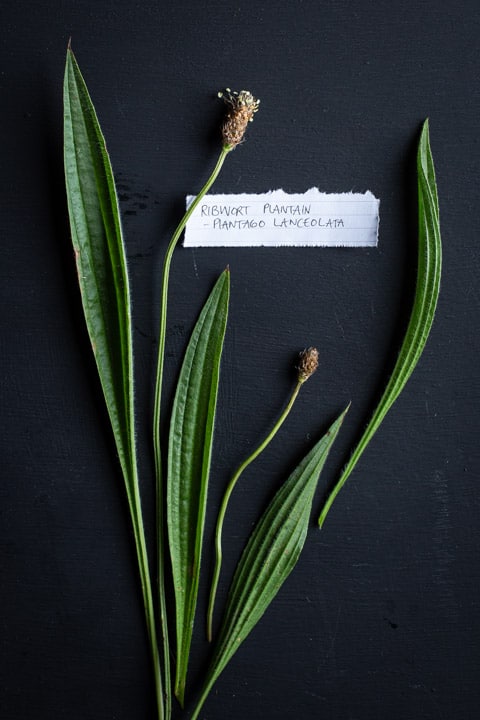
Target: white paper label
point(279, 219)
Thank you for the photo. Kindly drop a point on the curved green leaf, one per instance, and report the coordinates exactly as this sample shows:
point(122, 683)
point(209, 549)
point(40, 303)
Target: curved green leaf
point(189, 454)
point(424, 305)
point(102, 275)
point(269, 557)
point(99, 254)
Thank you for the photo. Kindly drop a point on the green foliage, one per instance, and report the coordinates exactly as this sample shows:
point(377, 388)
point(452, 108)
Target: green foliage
point(277, 541)
point(100, 257)
point(102, 275)
point(190, 449)
point(425, 302)
point(270, 556)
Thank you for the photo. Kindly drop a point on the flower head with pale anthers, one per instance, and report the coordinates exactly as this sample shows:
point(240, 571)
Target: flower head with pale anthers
point(243, 106)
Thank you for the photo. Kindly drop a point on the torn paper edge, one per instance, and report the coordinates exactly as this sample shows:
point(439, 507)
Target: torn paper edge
point(235, 230)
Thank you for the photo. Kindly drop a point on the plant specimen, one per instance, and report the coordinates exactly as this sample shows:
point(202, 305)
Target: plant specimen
point(182, 478)
point(429, 270)
point(101, 266)
point(308, 363)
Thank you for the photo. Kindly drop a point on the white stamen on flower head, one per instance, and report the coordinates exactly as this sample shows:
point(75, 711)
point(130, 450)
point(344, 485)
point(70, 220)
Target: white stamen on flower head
point(243, 107)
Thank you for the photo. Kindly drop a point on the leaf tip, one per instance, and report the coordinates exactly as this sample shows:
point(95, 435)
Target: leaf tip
point(341, 417)
point(324, 512)
point(425, 129)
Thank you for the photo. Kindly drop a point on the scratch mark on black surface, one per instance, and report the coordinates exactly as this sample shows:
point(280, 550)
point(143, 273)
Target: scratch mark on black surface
point(335, 631)
point(195, 268)
point(443, 554)
point(339, 325)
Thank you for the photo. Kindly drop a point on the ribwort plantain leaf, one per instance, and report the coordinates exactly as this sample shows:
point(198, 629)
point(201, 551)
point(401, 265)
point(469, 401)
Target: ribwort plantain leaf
point(100, 258)
point(424, 305)
point(189, 454)
point(269, 557)
point(102, 274)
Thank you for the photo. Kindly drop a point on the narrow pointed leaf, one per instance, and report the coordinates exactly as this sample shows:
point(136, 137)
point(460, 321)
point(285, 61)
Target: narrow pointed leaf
point(189, 454)
point(102, 275)
point(269, 557)
point(100, 257)
point(424, 305)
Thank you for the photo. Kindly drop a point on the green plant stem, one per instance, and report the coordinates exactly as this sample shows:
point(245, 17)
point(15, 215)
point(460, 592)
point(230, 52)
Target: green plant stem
point(157, 415)
point(133, 492)
point(226, 499)
point(164, 299)
point(140, 544)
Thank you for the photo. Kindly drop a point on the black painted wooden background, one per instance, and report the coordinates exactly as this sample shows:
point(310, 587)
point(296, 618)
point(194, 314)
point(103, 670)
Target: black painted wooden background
point(381, 616)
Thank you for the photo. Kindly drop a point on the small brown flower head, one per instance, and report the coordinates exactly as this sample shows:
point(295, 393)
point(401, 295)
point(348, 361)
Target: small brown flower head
point(243, 106)
point(307, 364)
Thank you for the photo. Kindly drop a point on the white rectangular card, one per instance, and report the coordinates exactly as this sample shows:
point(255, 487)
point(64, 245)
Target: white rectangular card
point(277, 218)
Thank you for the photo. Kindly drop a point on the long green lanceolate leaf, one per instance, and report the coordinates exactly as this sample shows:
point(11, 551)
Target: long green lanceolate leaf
point(189, 454)
point(102, 274)
point(424, 305)
point(269, 557)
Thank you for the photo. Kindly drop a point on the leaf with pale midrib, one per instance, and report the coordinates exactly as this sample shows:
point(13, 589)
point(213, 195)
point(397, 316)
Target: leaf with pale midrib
point(102, 274)
point(424, 305)
point(189, 455)
point(269, 557)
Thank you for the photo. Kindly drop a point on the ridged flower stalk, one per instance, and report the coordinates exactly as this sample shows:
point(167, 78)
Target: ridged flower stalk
point(242, 108)
point(308, 363)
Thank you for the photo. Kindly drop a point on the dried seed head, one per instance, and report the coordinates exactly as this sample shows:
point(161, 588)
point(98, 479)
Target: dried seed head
point(243, 106)
point(307, 364)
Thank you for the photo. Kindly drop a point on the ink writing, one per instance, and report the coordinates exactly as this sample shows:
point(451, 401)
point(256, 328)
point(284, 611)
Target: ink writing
point(278, 218)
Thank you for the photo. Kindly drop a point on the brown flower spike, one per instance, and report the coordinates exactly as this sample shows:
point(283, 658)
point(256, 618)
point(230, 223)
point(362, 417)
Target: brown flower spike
point(307, 364)
point(243, 106)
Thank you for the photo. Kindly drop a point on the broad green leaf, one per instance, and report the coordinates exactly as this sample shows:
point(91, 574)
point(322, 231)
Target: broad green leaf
point(189, 454)
point(269, 557)
point(102, 275)
point(424, 305)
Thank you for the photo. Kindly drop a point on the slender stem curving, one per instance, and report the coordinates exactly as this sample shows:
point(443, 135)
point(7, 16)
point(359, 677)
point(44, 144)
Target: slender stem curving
point(164, 301)
point(226, 499)
point(157, 417)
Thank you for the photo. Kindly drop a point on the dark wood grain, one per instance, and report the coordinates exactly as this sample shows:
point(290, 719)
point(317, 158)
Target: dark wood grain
point(380, 618)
